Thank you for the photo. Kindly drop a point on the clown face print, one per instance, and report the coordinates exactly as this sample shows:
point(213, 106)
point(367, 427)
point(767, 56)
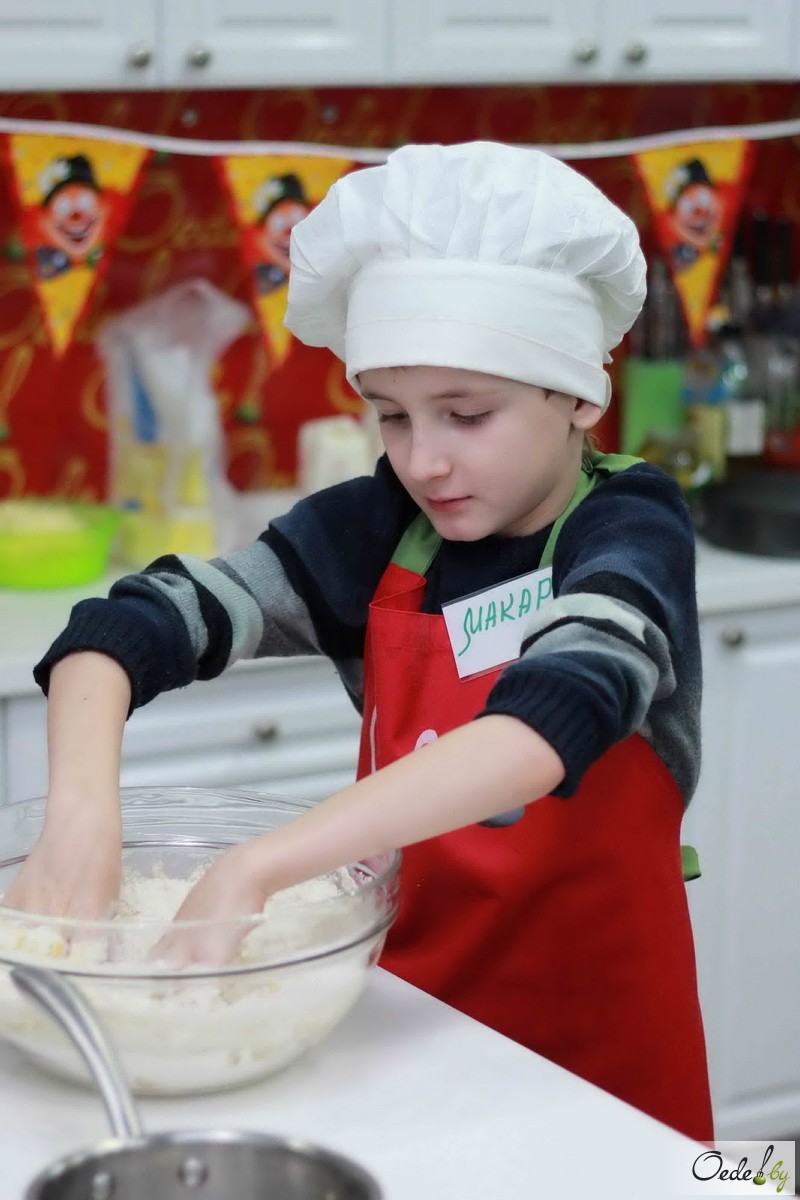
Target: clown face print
point(280, 204)
point(73, 217)
point(277, 229)
point(697, 215)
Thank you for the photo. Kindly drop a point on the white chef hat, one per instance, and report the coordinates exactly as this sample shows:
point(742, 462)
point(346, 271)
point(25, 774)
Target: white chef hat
point(481, 256)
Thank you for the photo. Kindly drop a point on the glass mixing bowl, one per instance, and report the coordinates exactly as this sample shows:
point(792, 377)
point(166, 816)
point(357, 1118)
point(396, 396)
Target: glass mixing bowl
point(301, 966)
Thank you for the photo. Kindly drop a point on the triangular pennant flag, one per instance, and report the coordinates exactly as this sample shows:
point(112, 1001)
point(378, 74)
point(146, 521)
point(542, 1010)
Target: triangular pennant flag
point(269, 194)
point(75, 194)
point(695, 194)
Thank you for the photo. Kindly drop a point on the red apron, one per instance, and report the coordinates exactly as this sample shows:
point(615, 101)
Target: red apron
point(568, 930)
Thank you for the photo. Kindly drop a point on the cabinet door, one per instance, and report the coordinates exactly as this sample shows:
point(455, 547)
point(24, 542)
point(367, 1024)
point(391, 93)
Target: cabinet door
point(264, 43)
point(745, 820)
point(700, 39)
point(82, 44)
point(494, 41)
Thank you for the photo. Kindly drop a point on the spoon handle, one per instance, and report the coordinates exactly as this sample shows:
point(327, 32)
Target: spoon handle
point(65, 1004)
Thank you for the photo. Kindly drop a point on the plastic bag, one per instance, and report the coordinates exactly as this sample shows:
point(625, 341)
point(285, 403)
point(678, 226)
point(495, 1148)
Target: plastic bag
point(167, 457)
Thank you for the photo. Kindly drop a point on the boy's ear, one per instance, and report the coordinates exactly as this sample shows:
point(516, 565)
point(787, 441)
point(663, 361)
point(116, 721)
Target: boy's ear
point(585, 415)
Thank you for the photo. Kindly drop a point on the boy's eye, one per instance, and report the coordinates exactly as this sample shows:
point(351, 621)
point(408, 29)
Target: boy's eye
point(470, 418)
point(383, 418)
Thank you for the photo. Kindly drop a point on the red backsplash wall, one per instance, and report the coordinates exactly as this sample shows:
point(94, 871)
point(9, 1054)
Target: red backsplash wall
point(54, 412)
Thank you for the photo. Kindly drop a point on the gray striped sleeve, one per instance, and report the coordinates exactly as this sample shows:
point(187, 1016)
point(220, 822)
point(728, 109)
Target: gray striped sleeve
point(583, 623)
point(266, 616)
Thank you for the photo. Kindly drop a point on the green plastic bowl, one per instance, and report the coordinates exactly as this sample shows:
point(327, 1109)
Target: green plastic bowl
point(54, 544)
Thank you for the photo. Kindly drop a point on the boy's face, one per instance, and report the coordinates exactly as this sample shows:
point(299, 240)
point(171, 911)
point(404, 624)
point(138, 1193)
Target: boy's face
point(479, 454)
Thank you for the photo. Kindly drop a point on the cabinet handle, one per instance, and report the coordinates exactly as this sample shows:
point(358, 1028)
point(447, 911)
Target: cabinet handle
point(636, 52)
point(266, 731)
point(733, 637)
point(198, 56)
point(585, 51)
point(140, 57)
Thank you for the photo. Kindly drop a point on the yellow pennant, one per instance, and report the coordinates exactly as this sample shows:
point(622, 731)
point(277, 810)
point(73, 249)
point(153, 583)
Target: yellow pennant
point(74, 194)
point(269, 195)
point(695, 195)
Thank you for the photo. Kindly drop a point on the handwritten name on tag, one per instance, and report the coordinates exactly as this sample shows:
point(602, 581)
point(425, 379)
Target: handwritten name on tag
point(487, 630)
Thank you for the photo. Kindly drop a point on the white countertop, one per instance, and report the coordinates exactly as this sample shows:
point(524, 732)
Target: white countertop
point(726, 583)
point(435, 1105)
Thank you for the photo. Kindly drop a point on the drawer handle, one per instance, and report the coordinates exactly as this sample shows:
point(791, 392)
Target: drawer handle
point(733, 637)
point(266, 731)
point(636, 52)
point(198, 56)
point(585, 51)
point(140, 56)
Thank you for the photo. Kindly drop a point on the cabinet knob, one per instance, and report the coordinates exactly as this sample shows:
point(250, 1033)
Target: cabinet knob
point(636, 52)
point(198, 56)
point(733, 637)
point(585, 51)
point(140, 57)
point(266, 731)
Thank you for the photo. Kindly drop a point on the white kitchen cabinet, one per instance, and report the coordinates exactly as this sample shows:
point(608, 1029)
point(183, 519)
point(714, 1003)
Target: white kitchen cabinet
point(745, 821)
point(287, 728)
point(274, 43)
point(527, 41)
point(491, 41)
point(93, 44)
point(669, 40)
point(84, 44)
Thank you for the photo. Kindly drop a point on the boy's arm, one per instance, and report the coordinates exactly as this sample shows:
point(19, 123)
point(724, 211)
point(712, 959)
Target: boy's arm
point(475, 772)
point(75, 867)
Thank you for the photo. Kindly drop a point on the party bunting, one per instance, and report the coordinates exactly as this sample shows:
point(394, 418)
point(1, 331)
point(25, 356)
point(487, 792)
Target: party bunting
point(695, 194)
point(269, 195)
point(74, 194)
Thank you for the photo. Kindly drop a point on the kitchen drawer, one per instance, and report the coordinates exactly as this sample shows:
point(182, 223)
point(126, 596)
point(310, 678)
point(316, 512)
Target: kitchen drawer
point(243, 711)
point(272, 766)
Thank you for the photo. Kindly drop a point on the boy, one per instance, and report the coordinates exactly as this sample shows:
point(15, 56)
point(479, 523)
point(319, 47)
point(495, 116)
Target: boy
point(475, 293)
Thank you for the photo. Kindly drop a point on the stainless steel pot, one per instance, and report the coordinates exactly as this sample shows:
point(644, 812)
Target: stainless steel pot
point(207, 1164)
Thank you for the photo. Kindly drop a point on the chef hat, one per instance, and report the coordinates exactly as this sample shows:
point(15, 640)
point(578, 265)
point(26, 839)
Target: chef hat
point(481, 256)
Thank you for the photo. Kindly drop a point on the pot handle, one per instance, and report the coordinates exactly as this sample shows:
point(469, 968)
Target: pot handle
point(66, 1005)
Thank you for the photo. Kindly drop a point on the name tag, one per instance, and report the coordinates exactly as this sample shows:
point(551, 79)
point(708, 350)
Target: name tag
point(486, 630)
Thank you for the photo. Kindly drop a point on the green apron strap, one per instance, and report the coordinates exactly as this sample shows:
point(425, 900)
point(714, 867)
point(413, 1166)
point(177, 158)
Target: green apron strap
point(690, 862)
point(417, 547)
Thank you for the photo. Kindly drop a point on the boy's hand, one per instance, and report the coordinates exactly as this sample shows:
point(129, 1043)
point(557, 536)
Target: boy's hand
point(228, 891)
point(74, 870)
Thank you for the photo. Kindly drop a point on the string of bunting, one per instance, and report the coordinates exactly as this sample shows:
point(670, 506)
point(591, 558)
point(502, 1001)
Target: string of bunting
point(75, 185)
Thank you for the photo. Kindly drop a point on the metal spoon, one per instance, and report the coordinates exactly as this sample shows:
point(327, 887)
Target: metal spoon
point(61, 1000)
